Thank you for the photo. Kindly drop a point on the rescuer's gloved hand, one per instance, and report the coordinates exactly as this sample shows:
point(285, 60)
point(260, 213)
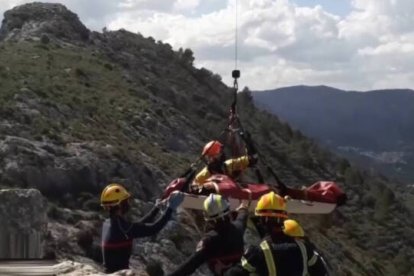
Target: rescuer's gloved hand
point(175, 199)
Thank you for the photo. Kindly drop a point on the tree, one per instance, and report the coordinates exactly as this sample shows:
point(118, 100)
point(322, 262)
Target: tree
point(353, 177)
point(186, 56)
point(343, 165)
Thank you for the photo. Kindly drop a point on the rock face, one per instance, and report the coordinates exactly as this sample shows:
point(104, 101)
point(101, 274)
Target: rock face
point(56, 170)
point(23, 223)
point(37, 20)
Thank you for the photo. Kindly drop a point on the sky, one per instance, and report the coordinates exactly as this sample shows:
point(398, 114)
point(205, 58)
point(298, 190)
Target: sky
point(347, 44)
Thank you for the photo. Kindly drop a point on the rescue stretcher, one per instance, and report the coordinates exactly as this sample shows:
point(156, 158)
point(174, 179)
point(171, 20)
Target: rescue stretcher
point(320, 198)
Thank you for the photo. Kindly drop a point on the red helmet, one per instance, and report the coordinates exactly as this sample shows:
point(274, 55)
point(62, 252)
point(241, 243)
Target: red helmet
point(212, 149)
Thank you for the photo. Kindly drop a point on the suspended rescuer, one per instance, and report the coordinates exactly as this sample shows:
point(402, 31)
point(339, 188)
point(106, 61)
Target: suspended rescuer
point(278, 253)
point(222, 245)
point(217, 163)
point(118, 233)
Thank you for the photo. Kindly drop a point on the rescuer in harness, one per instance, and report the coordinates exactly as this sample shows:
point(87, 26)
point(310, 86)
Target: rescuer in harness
point(217, 163)
point(222, 245)
point(278, 253)
point(118, 233)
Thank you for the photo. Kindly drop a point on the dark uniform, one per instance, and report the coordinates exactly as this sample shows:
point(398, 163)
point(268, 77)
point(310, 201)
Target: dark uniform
point(221, 248)
point(282, 256)
point(118, 235)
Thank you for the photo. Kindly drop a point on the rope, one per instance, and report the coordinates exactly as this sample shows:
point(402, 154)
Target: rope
point(233, 120)
point(235, 72)
point(236, 38)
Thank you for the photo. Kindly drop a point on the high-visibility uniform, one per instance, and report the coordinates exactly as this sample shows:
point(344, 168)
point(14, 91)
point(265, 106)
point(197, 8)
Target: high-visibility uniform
point(284, 256)
point(231, 167)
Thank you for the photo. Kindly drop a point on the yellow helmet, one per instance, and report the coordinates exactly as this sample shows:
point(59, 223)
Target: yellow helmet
point(292, 228)
point(113, 194)
point(271, 205)
point(215, 206)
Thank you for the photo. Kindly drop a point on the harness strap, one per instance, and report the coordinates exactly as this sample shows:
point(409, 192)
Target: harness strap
point(314, 259)
point(245, 264)
point(304, 256)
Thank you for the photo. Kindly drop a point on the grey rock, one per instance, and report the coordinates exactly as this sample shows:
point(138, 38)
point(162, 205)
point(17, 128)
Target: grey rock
point(72, 168)
point(37, 20)
point(24, 223)
point(72, 268)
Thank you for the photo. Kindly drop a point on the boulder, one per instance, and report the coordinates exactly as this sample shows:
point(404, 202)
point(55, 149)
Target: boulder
point(35, 20)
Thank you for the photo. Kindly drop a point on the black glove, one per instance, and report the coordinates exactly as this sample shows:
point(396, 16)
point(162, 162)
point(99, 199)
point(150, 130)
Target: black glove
point(175, 199)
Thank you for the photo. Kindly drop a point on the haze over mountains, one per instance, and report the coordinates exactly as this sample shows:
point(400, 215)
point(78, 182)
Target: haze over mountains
point(374, 128)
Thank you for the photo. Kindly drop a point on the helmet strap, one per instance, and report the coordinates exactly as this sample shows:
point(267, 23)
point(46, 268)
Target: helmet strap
point(272, 224)
point(124, 206)
point(114, 210)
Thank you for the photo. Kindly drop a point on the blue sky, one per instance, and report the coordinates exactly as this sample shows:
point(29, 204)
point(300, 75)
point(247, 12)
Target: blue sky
point(337, 7)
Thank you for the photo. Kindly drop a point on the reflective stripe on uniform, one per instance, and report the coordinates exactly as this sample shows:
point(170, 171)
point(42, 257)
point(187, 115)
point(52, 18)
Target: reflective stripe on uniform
point(207, 205)
point(271, 266)
point(314, 259)
point(113, 245)
point(218, 202)
point(304, 256)
point(245, 264)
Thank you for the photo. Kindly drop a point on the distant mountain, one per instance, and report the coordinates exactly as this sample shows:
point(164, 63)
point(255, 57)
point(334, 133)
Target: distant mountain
point(374, 127)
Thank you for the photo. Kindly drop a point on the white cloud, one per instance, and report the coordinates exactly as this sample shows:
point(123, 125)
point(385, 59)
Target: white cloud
point(280, 43)
point(186, 5)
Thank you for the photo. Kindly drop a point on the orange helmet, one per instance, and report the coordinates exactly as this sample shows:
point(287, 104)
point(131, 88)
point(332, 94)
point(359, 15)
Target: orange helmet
point(271, 205)
point(212, 149)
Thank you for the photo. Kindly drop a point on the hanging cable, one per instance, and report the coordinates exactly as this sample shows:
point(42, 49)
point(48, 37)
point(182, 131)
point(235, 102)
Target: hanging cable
point(236, 73)
point(236, 37)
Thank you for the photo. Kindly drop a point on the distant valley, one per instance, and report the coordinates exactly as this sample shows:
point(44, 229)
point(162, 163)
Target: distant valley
point(374, 129)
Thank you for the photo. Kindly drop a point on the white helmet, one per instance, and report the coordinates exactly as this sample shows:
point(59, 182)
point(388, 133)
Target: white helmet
point(215, 206)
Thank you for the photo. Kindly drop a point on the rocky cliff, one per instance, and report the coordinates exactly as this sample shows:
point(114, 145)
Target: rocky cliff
point(81, 109)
